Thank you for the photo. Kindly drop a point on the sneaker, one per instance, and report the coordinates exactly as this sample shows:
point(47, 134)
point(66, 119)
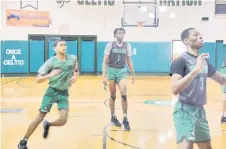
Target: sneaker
point(115, 122)
point(22, 144)
point(126, 124)
point(46, 126)
point(223, 120)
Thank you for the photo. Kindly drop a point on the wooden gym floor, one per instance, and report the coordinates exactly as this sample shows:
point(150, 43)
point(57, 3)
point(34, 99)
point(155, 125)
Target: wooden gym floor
point(89, 116)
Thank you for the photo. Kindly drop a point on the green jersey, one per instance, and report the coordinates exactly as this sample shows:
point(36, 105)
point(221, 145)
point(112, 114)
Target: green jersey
point(60, 81)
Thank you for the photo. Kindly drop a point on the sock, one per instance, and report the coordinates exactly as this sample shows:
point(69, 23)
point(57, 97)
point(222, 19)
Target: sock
point(224, 114)
point(112, 114)
point(25, 139)
point(124, 115)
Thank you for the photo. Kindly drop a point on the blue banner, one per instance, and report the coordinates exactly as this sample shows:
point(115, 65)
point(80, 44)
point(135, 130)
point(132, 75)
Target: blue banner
point(14, 55)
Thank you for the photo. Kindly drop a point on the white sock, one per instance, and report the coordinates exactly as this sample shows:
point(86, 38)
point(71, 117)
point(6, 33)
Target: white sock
point(112, 114)
point(25, 138)
point(224, 114)
point(124, 115)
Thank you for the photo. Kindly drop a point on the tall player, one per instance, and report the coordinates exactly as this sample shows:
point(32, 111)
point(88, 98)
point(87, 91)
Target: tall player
point(116, 55)
point(61, 71)
point(189, 74)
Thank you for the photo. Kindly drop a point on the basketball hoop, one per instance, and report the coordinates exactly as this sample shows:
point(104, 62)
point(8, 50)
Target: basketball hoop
point(140, 23)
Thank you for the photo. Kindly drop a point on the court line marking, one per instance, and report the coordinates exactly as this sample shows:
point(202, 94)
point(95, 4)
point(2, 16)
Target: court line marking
point(105, 102)
point(18, 83)
point(105, 135)
point(150, 95)
point(19, 79)
point(38, 100)
point(135, 130)
point(3, 83)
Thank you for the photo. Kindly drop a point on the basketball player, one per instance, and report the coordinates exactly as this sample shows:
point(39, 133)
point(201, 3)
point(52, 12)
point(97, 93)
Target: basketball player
point(223, 71)
point(189, 74)
point(116, 55)
point(61, 71)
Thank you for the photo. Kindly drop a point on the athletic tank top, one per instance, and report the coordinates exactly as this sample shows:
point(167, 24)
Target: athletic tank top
point(117, 57)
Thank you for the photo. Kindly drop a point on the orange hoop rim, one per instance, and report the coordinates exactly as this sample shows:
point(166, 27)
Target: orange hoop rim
point(140, 23)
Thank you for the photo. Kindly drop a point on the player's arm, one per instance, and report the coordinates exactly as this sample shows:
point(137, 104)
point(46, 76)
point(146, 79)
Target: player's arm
point(179, 80)
point(179, 83)
point(106, 58)
point(215, 75)
point(177, 70)
point(40, 78)
point(104, 65)
point(129, 61)
point(219, 78)
point(76, 69)
point(44, 72)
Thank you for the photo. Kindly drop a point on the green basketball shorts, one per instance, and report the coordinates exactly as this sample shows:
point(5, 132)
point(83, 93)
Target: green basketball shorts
point(54, 96)
point(116, 74)
point(190, 123)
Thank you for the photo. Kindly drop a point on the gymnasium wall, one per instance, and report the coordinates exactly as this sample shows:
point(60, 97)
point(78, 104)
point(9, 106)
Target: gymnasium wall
point(101, 20)
point(152, 47)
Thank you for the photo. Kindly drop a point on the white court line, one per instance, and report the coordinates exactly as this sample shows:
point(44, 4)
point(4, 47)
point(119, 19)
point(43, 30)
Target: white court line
point(37, 100)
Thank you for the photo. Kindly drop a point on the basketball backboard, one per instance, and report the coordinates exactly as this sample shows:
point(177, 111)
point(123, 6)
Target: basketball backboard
point(140, 13)
point(139, 1)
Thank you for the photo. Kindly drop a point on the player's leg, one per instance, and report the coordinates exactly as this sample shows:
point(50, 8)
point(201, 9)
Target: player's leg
point(185, 145)
point(46, 105)
point(61, 121)
point(202, 133)
point(123, 87)
point(204, 145)
point(112, 88)
point(33, 125)
point(62, 102)
point(123, 90)
point(122, 84)
point(184, 124)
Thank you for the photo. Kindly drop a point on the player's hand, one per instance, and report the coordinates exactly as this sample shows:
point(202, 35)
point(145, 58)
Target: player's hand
point(133, 80)
point(105, 80)
point(54, 72)
point(74, 78)
point(200, 61)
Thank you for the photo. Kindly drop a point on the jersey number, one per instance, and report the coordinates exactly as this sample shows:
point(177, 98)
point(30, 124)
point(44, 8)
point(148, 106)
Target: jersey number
point(119, 58)
point(202, 83)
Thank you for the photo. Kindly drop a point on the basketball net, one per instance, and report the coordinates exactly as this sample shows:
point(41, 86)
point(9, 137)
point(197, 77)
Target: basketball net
point(140, 23)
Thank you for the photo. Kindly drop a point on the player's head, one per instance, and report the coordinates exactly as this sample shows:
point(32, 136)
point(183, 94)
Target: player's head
point(60, 46)
point(119, 34)
point(192, 38)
